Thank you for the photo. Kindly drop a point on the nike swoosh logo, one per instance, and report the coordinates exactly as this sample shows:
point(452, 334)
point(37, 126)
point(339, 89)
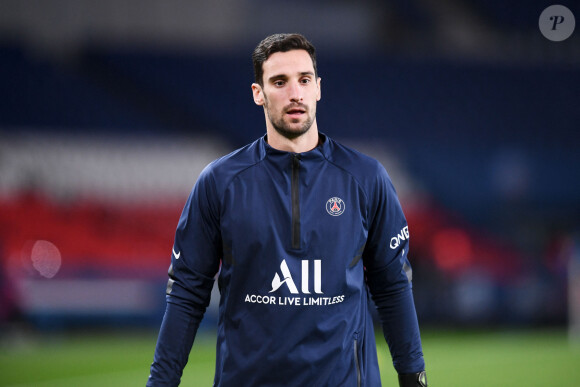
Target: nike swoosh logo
point(177, 255)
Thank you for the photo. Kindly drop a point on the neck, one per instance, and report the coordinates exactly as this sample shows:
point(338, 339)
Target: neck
point(303, 143)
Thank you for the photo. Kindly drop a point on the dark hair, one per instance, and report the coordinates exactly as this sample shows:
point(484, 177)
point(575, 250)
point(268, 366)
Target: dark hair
point(279, 43)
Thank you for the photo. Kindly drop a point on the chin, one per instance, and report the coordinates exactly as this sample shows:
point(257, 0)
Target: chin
point(292, 133)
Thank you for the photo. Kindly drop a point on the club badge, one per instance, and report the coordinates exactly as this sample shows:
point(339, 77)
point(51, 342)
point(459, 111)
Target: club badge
point(335, 206)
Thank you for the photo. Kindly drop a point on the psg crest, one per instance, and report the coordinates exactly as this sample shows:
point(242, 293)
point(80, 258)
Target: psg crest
point(335, 206)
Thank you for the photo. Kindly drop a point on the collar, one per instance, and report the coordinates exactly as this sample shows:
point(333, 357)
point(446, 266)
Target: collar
point(322, 150)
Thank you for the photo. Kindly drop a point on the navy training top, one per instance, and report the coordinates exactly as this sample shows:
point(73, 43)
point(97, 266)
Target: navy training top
point(300, 242)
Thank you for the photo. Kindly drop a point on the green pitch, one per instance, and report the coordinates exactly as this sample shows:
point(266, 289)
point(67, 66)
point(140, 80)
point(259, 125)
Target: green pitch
point(527, 358)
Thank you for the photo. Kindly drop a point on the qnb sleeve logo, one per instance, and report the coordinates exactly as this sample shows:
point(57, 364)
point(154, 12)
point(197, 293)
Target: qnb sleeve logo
point(401, 236)
point(286, 279)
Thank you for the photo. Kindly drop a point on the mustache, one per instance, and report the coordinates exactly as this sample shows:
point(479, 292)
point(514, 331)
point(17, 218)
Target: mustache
point(295, 105)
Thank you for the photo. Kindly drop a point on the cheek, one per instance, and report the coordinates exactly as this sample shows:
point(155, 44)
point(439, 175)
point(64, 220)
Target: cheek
point(272, 104)
point(318, 94)
point(268, 100)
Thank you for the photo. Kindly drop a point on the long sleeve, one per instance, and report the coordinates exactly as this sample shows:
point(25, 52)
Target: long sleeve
point(388, 275)
point(194, 263)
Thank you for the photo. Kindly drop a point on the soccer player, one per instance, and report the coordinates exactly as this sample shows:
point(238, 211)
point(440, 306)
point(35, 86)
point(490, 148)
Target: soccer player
point(302, 231)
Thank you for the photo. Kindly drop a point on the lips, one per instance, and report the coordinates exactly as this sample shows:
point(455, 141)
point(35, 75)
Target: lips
point(296, 111)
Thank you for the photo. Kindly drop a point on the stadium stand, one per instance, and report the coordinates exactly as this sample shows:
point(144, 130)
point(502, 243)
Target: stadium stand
point(489, 153)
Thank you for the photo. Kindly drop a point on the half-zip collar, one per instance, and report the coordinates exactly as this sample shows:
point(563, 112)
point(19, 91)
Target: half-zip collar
point(295, 166)
point(321, 151)
point(295, 188)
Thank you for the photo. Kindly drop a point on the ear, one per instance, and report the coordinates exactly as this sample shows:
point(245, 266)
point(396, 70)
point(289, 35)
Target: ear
point(258, 94)
point(319, 93)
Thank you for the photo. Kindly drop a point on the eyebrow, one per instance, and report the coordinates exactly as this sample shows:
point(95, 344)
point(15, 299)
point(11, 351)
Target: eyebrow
point(284, 76)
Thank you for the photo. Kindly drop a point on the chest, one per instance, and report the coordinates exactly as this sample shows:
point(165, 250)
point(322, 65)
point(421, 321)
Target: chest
point(300, 209)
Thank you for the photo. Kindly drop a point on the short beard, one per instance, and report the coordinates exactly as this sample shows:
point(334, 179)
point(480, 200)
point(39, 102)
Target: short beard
point(291, 134)
point(282, 128)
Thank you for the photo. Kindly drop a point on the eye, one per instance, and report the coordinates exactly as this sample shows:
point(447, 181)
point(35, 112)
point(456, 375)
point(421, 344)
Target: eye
point(305, 80)
point(279, 83)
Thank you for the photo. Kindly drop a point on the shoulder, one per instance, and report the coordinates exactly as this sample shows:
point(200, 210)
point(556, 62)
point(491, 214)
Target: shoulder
point(363, 168)
point(222, 170)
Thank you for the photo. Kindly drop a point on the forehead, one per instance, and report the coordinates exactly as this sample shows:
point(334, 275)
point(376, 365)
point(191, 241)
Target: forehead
point(287, 63)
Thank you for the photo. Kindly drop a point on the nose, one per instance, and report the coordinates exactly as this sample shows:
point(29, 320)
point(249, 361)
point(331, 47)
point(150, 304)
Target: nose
point(296, 93)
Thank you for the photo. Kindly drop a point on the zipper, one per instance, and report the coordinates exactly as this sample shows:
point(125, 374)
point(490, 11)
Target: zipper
point(295, 201)
point(357, 363)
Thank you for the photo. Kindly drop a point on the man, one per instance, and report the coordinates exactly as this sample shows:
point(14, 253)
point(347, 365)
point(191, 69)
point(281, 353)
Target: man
point(299, 228)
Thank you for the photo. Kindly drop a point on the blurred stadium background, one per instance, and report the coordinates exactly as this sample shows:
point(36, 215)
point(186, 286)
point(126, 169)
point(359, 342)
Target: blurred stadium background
point(109, 110)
